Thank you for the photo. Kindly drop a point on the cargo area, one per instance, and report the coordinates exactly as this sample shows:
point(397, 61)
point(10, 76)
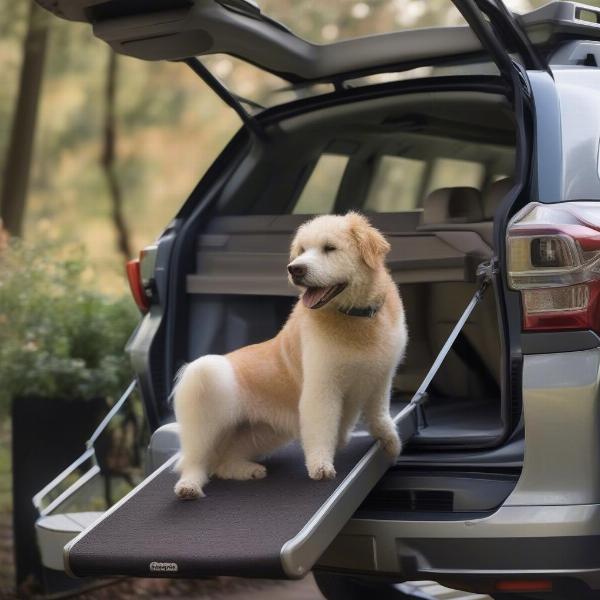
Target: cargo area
point(464, 406)
point(394, 159)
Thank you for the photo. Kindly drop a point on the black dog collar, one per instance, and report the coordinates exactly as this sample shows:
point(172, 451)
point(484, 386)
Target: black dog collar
point(367, 311)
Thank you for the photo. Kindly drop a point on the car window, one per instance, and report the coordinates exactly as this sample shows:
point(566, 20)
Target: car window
point(320, 191)
point(450, 172)
point(396, 185)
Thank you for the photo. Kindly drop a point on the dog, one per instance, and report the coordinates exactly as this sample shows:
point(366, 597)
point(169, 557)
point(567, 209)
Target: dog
point(332, 362)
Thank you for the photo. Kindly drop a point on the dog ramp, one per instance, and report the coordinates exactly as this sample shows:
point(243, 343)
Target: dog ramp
point(276, 527)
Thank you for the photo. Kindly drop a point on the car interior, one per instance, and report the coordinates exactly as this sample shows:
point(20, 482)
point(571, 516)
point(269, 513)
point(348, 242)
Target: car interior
point(429, 169)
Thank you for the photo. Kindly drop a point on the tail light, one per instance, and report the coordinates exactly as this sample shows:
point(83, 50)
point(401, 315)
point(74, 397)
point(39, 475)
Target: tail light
point(553, 255)
point(524, 585)
point(139, 275)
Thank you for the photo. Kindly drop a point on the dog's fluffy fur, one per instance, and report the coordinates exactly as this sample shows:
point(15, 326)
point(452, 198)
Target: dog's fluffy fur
point(314, 379)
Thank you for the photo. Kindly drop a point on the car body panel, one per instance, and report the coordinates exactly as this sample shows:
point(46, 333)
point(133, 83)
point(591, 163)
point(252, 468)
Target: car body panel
point(578, 90)
point(532, 540)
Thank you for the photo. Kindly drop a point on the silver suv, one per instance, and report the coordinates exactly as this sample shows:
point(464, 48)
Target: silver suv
point(464, 145)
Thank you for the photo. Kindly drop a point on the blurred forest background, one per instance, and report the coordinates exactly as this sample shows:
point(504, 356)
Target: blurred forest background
point(167, 125)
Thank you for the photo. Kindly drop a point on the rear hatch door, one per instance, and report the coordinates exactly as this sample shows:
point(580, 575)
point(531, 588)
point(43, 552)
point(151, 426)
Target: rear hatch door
point(181, 29)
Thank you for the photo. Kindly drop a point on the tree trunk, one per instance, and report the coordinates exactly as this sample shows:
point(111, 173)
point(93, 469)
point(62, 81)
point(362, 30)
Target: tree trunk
point(108, 159)
point(13, 196)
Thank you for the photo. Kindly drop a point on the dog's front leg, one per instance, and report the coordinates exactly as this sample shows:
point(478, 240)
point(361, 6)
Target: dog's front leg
point(320, 413)
point(379, 421)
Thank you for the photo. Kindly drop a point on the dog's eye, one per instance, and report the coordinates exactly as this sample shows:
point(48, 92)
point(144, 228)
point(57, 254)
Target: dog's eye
point(300, 250)
point(327, 248)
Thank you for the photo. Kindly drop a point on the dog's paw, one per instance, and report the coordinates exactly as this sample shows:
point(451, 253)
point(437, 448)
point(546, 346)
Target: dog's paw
point(253, 471)
point(186, 489)
point(242, 471)
point(321, 471)
point(391, 445)
point(258, 471)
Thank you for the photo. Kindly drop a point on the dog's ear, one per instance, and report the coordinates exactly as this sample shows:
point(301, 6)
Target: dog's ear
point(371, 244)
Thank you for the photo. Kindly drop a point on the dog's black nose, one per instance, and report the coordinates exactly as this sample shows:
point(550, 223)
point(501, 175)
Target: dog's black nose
point(297, 271)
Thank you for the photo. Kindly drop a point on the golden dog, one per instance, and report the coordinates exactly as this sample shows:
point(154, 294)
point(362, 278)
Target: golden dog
point(332, 362)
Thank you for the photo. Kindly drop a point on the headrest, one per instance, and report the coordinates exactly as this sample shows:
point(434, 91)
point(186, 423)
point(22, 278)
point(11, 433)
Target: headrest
point(494, 196)
point(452, 205)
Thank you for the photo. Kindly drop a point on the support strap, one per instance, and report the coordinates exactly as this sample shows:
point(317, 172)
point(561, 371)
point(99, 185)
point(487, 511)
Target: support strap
point(485, 273)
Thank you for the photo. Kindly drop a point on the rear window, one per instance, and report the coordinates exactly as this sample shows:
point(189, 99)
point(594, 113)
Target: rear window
point(319, 193)
point(396, 185)
point(449, 172)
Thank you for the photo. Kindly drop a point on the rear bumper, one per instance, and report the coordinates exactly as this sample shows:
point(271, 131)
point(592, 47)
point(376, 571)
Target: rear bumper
point(549, 541)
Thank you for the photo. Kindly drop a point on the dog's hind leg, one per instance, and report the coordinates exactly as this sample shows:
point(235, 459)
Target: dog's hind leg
point(248, 443)
point(207, 409)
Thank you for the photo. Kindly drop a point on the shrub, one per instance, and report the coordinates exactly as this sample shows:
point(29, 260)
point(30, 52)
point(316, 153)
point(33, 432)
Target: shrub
point(58, 337)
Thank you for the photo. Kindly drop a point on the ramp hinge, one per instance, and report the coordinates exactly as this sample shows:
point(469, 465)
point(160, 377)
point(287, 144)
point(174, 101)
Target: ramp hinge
point(419, 400)
point(485, 273)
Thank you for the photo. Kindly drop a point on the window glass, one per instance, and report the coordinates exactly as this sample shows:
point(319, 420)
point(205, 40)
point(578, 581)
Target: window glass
point(449, 172)
point(320, 191)
point(396, 185)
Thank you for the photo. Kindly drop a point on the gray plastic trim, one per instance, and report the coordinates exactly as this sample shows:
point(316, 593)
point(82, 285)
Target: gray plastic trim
point(564, 341)
point(402, 547)
point(576, 53)
point(55, 531)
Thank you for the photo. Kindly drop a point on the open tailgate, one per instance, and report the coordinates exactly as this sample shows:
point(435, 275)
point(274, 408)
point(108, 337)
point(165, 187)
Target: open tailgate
point(180, 29)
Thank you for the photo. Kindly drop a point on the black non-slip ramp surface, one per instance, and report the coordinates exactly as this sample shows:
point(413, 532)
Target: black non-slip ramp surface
point(275, 527)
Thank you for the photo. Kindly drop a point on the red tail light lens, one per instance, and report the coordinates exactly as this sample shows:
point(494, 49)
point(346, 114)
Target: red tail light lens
point(136, 286)
point(524, 585)
point(554, 261)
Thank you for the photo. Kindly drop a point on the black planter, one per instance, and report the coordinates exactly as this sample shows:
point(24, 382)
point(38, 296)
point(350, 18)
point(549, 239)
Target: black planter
point(47, 435)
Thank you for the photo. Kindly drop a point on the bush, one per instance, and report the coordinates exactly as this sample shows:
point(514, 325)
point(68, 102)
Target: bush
point(58, 338)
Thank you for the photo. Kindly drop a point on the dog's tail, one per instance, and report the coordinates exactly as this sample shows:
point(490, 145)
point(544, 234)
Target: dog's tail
point(178, 377)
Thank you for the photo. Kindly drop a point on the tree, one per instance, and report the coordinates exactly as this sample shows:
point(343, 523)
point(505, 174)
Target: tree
point(17, 167)
point(108, 158)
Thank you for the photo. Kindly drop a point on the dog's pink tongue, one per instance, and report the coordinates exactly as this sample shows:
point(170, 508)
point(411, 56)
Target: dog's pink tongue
point(313, 296)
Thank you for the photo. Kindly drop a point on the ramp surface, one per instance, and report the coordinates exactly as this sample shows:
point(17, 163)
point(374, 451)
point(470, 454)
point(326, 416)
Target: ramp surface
point(275, 527)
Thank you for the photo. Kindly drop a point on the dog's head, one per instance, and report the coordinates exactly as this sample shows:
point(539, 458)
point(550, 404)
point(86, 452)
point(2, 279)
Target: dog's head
point(334, 253)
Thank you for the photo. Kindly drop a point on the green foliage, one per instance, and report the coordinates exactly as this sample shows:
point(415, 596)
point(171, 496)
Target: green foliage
point(58, 338)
